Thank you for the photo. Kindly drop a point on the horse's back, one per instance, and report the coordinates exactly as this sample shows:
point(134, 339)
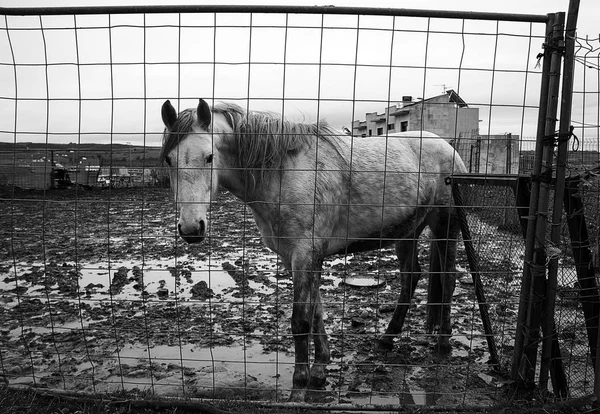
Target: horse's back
point(396, 169)
point(359, 191)
point(406, 160)
point(395, 182)
point(416, 151)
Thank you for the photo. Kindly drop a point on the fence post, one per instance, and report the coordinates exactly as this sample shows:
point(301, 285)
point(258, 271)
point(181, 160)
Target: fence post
point(522, 329)
point(540, 252)
point(558, 380)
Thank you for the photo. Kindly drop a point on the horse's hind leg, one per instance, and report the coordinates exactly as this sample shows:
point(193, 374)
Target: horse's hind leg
point(410, 269)
point(442, 273)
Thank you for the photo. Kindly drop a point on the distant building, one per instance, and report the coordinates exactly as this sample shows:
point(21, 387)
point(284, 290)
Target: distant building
point(446, 115)
point(489, 154)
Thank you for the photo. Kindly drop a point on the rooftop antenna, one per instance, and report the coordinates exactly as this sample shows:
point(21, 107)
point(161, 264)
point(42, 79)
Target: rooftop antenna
point(443, 85)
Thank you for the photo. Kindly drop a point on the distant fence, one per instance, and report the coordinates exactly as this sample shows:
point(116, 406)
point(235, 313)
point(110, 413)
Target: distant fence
point(34, 170)
point(489, 154)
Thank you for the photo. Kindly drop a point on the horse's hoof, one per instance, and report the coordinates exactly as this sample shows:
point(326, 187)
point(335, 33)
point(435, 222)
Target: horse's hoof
point(385, 344)
point(297, 395)
point(318, 381)
point(318, 377)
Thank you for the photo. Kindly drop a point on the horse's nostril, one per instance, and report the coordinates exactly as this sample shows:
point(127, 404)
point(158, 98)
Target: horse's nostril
point(180, 230)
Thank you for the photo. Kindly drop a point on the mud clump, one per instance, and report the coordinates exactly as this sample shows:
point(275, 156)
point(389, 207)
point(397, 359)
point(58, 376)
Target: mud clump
point(137, 278)
point(119, 280)
point(162, 292)
point(240, 278)
point(236, 274)
point(201, 291)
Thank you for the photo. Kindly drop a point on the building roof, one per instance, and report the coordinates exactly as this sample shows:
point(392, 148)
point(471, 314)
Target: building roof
point(450, 94)
point(452, 97)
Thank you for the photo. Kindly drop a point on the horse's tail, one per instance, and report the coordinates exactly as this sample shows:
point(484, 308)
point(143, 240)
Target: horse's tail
point(435, 288)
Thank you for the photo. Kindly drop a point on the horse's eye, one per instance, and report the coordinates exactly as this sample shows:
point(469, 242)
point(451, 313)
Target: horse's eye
point(209, 159)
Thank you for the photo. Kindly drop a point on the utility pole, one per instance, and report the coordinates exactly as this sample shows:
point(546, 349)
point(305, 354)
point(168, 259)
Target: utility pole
point(129, 143)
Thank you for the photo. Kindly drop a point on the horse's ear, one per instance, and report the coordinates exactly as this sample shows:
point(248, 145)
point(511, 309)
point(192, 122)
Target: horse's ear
point(169, 115)
point(204, 115)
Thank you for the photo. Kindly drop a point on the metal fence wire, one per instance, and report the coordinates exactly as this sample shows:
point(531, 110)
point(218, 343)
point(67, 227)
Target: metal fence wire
point(100, 294)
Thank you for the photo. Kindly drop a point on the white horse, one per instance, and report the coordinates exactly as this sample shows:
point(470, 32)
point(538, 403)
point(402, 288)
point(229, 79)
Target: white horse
point(315, 193)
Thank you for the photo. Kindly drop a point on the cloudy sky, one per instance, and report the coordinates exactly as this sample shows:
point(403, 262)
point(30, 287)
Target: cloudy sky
point(107, 79)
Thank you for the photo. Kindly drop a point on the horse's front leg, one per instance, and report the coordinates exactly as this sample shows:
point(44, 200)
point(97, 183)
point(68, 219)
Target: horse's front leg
point(305, 321)
point(322, 354)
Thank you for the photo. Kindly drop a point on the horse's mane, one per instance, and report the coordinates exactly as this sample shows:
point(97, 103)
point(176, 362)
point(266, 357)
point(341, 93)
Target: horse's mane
point(263, 140)
point(260, 140)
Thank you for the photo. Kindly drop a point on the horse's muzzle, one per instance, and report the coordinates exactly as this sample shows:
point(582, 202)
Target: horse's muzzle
point(195, 235)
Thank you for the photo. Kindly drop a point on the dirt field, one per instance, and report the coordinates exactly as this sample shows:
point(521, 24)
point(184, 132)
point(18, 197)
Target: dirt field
point(98, 294)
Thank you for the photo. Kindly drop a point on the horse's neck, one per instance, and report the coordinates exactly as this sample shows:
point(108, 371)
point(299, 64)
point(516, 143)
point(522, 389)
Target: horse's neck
point(241, 182)
point(236, 185)
point(234, 175)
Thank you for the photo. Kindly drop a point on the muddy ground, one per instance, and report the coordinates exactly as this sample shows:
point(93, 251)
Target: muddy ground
point(99, 294)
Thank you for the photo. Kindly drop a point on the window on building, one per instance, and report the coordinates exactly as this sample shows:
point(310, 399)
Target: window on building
point(370, 132)
point(404, 126)
point(380, 131)
point(391, 127)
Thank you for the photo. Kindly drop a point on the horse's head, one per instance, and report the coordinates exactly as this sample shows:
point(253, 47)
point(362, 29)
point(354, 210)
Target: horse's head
point(188, 150)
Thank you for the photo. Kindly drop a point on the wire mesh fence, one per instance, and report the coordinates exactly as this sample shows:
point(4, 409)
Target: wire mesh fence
point(580, 228)
point(499, 225)
point(585, 157)
point(99, 293)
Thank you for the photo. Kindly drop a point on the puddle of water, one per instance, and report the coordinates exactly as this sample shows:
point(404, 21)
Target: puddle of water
point(370, 281)
point(415, 395)
point(154, 278)
point(7, 280)
point(155, 275)
point(378, 399)
point(408, 394)
point(418, 397)
point(42, 330)
point(273, 369)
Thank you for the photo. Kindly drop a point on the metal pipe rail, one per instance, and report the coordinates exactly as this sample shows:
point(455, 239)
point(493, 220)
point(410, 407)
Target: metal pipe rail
point(373, 11)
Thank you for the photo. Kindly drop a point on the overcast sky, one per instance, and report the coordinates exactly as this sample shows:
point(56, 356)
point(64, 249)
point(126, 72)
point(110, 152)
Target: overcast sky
point(339, 72)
